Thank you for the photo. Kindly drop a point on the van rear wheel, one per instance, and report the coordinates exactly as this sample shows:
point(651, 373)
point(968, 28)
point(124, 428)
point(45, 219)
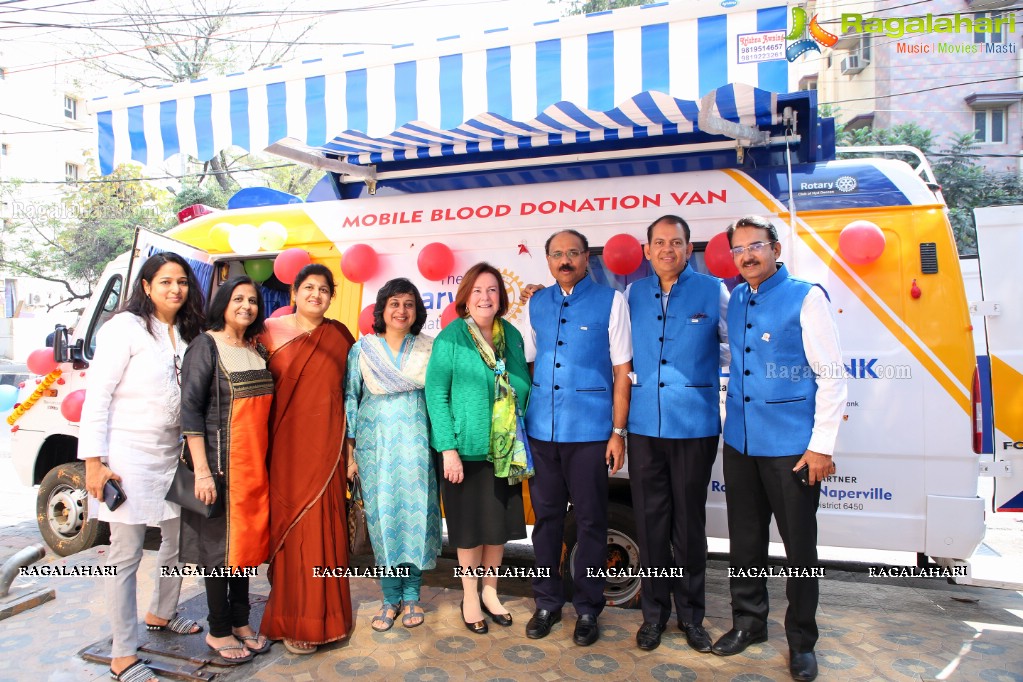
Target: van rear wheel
point(622, 555)
point(62, 511)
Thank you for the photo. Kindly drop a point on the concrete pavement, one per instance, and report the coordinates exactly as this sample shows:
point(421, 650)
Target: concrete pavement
point(872, 629)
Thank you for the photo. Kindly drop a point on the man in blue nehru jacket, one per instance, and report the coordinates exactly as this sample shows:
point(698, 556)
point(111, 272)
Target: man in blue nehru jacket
point(679, 343)
point(581, 349)
point(786, 396)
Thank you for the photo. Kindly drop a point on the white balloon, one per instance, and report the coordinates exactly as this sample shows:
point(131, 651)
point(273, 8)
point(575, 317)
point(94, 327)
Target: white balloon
point(244, 238)
point(272, 235)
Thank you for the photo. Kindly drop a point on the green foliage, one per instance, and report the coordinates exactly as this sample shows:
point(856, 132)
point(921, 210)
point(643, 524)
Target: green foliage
point(966, 185)
point(72, 240)
point(196, 193)
point(590, 6)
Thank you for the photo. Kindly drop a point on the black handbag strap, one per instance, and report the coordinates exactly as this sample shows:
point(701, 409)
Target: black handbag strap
point(216, 381)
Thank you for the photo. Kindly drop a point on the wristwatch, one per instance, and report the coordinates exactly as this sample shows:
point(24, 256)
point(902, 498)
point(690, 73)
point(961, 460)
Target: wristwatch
point(621, 432)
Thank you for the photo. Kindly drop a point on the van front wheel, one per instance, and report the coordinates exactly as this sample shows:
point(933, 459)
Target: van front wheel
point(62, 511)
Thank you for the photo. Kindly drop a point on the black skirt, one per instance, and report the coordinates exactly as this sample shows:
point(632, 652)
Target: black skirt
point(482, 509)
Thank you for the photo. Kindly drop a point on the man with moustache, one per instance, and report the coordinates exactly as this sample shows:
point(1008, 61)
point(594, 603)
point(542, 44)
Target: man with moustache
point(774, 427)
point(581, 350)
point(679, 343)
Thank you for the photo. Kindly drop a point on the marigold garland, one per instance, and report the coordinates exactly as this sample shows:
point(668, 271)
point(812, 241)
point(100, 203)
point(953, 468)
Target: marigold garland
point(36, 395)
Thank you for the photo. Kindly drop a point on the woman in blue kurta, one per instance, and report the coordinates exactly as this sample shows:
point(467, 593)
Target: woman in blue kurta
point(388, 427)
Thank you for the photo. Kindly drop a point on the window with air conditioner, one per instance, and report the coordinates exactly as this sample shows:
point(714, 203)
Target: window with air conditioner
point(989, 125)
point(852, 65)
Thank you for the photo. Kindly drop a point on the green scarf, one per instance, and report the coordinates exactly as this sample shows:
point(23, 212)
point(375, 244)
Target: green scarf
point(507, 452)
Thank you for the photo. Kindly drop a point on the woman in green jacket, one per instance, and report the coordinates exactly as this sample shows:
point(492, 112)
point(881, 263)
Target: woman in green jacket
point(477, 384)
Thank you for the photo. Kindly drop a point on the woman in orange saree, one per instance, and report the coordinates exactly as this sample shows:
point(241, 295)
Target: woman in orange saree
point(307, 466)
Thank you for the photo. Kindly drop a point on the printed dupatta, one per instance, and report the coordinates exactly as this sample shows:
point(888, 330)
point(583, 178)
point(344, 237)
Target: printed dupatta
point(509, 449)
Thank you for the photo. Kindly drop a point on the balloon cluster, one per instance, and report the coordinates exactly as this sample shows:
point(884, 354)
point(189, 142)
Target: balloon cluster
point(245, 238)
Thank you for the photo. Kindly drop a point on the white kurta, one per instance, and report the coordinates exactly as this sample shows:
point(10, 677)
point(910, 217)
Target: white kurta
point(131, 416)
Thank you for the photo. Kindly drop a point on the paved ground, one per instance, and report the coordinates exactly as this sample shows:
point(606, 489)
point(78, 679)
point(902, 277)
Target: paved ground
point(872, 629)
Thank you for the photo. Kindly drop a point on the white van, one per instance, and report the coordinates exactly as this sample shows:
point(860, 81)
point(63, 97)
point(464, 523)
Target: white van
point(565, 141)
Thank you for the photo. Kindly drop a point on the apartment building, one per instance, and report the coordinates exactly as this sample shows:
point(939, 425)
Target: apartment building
point(952, 66)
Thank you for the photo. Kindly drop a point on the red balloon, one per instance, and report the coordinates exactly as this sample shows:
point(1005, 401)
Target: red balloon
point(623, 254)
point(41, 361)
point(71, 406)
point(359, 263)
point(861, 242)
point(718, 257)
point(449, 315)
point(436, 261)
point(366, 319)
point(282, 311)
point(289, 262)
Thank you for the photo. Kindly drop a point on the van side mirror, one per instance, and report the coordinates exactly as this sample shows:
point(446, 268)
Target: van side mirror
point(60, 349)
point(64, 352)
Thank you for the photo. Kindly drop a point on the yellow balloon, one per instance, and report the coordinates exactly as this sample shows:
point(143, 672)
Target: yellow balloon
point(220, 235)
point(272, 236)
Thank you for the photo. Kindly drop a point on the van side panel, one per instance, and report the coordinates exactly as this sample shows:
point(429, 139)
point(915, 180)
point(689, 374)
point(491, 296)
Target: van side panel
point(999, 240)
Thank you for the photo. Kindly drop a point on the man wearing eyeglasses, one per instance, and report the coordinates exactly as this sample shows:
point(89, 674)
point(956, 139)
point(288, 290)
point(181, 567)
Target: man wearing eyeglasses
point(581, 350)
point(786, 396)
point(679, 344)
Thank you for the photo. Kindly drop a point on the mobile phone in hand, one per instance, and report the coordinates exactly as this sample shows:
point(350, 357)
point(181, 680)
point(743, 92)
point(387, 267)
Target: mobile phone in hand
point(113, 494)
point(802, 474)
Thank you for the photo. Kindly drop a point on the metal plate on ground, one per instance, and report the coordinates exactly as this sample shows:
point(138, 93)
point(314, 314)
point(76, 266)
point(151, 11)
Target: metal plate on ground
point(187, 657)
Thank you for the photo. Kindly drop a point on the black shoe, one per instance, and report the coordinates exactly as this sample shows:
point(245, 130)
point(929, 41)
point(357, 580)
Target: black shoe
point(477, 628)
point(649, 636)
point(502, 619)
point(735, 641)
point(586, 630)
point(803, 666)
point(539, 626)
point(697, 637)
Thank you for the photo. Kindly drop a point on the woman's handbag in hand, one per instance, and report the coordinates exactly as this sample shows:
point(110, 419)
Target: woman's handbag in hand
point(358, 531)
point(182, 490)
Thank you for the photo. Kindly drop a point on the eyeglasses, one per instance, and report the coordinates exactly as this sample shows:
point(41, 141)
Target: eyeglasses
point(177, 368)
point(756, 248)
point(571, 253)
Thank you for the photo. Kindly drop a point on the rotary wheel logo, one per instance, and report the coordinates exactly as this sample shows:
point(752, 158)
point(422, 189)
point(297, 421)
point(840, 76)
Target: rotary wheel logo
point(514, 285)
point(846, 183)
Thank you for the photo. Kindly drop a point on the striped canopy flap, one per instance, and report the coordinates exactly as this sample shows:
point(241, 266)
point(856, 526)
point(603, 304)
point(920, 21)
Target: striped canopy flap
point(628, 73)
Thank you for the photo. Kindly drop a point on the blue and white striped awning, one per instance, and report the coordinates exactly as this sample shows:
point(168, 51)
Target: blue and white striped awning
point(629, 73)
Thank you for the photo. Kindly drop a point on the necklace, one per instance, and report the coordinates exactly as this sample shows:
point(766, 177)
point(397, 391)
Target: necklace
point(301, 328)
point(232, 340)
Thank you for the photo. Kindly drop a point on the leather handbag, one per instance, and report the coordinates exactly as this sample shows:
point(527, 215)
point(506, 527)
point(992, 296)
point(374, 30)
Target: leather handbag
point(182, 490)
point(358, 532)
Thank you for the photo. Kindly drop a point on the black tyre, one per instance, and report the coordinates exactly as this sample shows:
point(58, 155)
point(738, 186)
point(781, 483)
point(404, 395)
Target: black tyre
point(622, 554)
point(62, 511)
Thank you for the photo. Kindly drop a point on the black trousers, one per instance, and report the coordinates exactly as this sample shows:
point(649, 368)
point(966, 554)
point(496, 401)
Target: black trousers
point(756, 488)
point(228, 603)
point(669, 479)
point(576, 472)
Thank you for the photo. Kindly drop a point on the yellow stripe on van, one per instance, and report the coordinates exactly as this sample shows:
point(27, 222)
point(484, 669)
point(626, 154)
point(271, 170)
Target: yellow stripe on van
point(938, 318)
point(1007, 396)
point(303, 233)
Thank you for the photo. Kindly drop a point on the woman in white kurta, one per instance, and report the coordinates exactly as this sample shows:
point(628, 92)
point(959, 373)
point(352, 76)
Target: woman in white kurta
point(130, 432)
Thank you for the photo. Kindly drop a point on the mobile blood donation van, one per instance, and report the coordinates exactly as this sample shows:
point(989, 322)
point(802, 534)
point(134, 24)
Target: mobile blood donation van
point(480, 149)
